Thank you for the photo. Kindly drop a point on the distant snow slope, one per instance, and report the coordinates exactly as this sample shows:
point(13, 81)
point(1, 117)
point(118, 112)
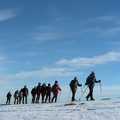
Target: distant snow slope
point(84, 110)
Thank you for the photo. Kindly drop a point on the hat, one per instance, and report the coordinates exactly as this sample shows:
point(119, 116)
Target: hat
point(56, 81)
point(92, 72)
point(75, 78)
point(48, 84)
point(39, 83)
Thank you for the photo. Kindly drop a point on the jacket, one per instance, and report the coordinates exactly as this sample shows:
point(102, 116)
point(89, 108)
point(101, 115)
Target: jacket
point(55, 89)
point(73, 84)
point(91, 80)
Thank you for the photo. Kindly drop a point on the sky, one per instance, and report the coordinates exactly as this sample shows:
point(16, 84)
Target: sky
point(87, 110)
point(48, 40)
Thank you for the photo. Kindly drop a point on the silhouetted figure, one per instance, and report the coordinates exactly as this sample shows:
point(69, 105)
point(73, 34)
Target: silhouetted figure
point(25, 94)
point(33, 93)
point(73, 85)
point(43, 92)
point(20, 96)
point(48, 93)
point(16, 97)
point(38, 92)
point(9, 95)
point(55, 89)
point(90, 82)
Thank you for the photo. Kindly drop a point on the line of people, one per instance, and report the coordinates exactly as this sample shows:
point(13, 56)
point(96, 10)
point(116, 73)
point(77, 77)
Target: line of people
point(19, 96)
point(44, 91)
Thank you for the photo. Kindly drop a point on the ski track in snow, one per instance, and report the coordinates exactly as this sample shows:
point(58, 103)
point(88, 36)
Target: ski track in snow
point(90, 110)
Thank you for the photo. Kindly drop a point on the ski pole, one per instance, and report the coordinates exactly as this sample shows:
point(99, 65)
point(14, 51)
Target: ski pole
point(101, 90)
point(83, 92)
point(69, 95)
point(59, 96)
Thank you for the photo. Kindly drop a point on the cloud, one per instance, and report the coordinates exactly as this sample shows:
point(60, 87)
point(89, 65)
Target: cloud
point(65, 67)
point(7, 14)
point(29, 54)
point(115, 43)
point(87, 62)
point(44, 33)
point(44, 36)
point(103, 18)
point(2, 58)
point(111, 31)
point(103, 25)
point(45, 72)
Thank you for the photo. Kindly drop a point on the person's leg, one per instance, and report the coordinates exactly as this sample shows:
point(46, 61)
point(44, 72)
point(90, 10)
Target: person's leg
point(49, 97)
point(20, 100)
point(55, 97)
point(9, 101)
point(26, 99)
point(43, 95)
point(91, 93)
point(33, 98)
point(14, 101)
point(46, 98)
point(73, 95)
point(6, 101)
point(38, 98)
point(23, 99)
point(17, 100)
point(87, 97)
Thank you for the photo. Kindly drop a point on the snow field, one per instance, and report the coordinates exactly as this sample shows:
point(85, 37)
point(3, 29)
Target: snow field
point(83, 110)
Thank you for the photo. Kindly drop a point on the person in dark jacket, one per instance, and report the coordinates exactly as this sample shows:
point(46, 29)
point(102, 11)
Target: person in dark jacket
point(25, 94)
point(55, 89)
point(20, 95)
point(48, 93)
point(43, 92)
point(33, 93)
point(38, 92)
point(73, 86)
point(16, 97)
point(9, 95)
point(90, 82)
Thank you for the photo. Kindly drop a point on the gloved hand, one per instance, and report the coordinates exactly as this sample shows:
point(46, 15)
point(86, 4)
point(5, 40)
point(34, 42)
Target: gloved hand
point(85, 83)
point(99, 80)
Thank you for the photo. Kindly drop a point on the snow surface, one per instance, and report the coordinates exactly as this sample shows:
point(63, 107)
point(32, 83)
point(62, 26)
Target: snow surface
point(83, 110)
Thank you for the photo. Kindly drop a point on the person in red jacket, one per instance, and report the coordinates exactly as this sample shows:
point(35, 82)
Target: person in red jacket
point(55, 89)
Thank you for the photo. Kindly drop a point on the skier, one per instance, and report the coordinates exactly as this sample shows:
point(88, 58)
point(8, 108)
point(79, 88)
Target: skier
point(55, 89)
point(33, 93)
point(90, 82)
point(9, 95)
point(73, 86)
point(25, 94)
point(43, 92)
point(20, 96)
point(38, 90)
point(48, 93)
point(16, 96)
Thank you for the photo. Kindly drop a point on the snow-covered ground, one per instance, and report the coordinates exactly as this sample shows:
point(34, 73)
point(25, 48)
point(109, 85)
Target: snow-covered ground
point(84, 110)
